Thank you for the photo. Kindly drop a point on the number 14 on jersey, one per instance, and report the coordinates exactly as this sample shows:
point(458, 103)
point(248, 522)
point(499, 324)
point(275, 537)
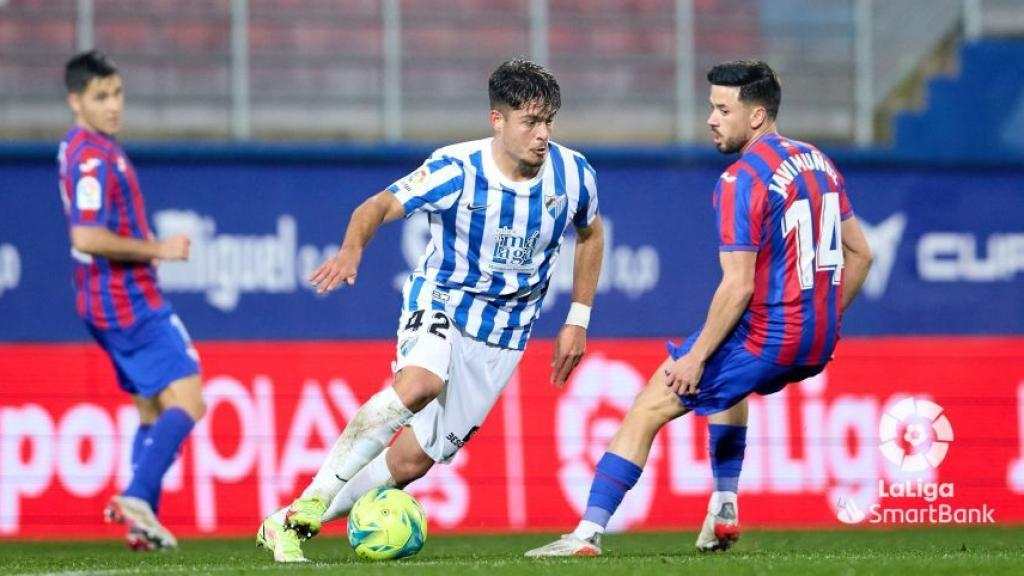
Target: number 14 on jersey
point(829, 253)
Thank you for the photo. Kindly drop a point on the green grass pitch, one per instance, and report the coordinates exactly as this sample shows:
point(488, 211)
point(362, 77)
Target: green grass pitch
point(906, 552)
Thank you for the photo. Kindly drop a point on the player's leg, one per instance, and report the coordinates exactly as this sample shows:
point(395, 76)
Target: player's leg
point(180, 406)
point(727, 434)
point(364, 438)
point(620, 467)
point(149, 410)
point(407, 460)
point(396, 467)
point(479, 374)
point(425, 353)
point(160, 366)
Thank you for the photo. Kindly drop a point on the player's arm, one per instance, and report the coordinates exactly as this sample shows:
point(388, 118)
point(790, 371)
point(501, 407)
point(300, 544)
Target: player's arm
point(730, 300)
point(88, 203)
point(857, 259)
point(99, 241)
point(379, 209)
point(571, 342)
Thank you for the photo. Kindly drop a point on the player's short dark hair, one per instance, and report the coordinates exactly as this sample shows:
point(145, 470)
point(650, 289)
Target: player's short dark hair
point(83, 67)
point(757, 82)
point(519, 82)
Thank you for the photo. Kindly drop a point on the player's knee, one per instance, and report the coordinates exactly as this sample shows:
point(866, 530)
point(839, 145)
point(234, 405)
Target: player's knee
point(656, 405)
point(416, 387)
point(197, 409)
point(186, 394)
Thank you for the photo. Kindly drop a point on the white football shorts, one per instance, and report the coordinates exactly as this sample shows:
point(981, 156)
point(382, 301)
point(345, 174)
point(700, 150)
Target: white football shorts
point(475, 373)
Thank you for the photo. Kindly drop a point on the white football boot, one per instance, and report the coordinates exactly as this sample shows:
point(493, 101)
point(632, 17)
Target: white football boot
point(721, 527)
point(568, 545)
point(145, 532)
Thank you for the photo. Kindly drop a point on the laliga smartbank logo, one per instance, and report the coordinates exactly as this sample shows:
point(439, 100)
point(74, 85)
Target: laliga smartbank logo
point(915, 436)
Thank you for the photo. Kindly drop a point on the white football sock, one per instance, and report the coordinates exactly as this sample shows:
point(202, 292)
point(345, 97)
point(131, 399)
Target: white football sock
point(373, 475)
point(279, 515)
point(719, 498)
point(586, 529)
point(365, 436)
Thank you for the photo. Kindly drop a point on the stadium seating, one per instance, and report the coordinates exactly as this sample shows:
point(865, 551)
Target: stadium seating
point(979, 113)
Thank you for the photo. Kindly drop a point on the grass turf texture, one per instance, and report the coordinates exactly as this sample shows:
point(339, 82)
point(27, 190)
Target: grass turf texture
point(927, 551)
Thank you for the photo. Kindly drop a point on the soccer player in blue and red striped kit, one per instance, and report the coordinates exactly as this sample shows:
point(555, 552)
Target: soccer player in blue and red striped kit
point(793, 259)
point(113, 253)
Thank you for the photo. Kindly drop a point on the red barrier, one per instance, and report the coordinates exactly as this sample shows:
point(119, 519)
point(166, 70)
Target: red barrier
point(65, 434)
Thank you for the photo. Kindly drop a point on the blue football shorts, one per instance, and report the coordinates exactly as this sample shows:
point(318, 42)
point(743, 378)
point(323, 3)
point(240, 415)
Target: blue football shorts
point(150, 355)
point(732, 373)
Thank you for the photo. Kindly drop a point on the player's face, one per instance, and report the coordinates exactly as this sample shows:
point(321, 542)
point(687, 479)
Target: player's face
point(100, 106)
point(524, 133)
point(730, 119)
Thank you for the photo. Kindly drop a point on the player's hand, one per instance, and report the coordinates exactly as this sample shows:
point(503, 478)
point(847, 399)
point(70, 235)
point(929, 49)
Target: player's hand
point(683, 375)
point(570, 345)
point(175, 247)
point(337, 270)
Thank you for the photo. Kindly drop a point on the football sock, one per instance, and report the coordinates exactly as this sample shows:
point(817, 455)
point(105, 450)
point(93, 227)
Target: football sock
point(141, 433)
point(365, 436)
point(158, 453)
point(727, 445)
point(140, 441)
point(718, 498)
point(373, 475)
point(613, 478)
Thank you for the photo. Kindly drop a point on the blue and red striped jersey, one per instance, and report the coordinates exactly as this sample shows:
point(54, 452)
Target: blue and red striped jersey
point(99, 188)
point(785, 200)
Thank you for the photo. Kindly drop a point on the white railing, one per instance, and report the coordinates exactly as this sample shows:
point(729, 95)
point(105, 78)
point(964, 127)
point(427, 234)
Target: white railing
point(416, 69)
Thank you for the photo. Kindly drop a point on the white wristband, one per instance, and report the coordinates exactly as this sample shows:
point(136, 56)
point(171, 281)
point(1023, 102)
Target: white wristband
point(579, 315)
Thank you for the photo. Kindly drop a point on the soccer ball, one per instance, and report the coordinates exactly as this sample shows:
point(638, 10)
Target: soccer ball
point(386, 524)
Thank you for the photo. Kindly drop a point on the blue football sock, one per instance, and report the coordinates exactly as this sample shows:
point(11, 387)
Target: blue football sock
point(138, 445)
point(613, 478)
point(165, 437)
point(141, 433)
point(728, 443)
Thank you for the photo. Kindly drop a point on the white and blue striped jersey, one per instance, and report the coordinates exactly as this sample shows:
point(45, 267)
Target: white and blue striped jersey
point(493, 241)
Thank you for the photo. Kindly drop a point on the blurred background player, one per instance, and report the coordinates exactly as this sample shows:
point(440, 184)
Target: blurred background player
point(499, 209)
point(116, 292)
point(787, 234)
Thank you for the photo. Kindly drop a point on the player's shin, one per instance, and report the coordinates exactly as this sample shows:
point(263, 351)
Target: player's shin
point(373, 475)
point(728, 444)
point(613, 477)
point(158, 453)
point(365, 437)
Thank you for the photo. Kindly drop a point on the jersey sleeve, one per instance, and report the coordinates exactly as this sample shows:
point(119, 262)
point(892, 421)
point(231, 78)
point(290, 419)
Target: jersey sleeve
point(739, 210)
point(89, 196)
point(845, 208)
point(587, 209)
point(433, 187)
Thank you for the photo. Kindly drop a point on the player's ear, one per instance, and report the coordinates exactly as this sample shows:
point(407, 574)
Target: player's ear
point(75, 102)
point(497, 120)
point(758, 117)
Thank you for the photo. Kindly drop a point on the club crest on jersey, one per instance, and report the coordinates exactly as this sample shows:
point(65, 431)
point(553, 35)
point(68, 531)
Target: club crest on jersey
point(514, 252)
point(407, 345)
point(555, 204)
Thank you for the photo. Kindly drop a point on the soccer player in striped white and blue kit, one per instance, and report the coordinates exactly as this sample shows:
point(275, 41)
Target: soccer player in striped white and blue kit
point(499, 209)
